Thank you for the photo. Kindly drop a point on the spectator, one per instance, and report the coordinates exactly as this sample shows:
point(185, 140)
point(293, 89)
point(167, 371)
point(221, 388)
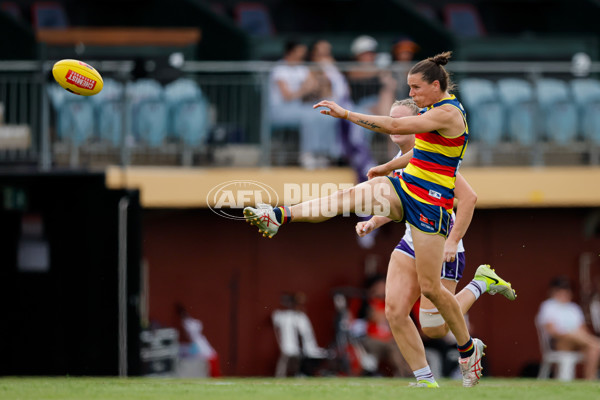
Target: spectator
point(371, 87)
point(403, 51)
point(595, 305)
point(199, 345)
point(372, 91)
point(300, 353)
point(563, 320)
point(332, 84)
point(291, 81)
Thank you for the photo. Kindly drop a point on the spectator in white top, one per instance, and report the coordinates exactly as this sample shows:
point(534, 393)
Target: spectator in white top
point(564, 321)
point(291, 81)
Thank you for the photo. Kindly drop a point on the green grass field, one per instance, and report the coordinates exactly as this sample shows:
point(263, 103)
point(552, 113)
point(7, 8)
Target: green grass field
point(283, 389)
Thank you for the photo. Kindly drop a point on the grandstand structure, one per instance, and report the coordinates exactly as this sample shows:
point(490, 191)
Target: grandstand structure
point(124, 177)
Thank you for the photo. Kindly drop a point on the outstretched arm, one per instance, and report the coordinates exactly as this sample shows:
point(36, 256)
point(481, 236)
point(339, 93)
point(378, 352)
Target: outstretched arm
point(390, 166)
point(435, 119)
point(363, 228)
point(464, 214)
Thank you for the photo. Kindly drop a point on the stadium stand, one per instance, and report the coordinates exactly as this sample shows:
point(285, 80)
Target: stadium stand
point(557, 111)
point(521, 110)
point(74, 116)
point(12, 9)
point(109, 115)
point(188, 112)
point(485, 113)
point(49, 15)
point(464, 20)
point(149, 114)
point(254, 18)
point(189, 123)
point(427, 11)
point(586, 95)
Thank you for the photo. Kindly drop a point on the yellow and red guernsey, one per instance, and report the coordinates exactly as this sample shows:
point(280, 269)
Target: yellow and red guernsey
point(431, 173)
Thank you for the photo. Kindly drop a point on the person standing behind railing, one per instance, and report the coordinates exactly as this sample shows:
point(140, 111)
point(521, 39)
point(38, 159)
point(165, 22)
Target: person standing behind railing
point(373, 90)
point(331, 84)
point(403, 51)
point(290, 82)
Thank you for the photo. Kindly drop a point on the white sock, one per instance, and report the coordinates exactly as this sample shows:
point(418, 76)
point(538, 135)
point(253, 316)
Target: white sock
point(477, 287)
point(424, 374)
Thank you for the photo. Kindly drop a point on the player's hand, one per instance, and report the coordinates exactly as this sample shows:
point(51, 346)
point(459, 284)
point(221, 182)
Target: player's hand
point(450, 248)
point(379, 170)
point(333, 109)
point(363, 228)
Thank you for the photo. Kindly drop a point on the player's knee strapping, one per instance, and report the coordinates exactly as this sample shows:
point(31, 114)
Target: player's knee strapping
point(430, 318)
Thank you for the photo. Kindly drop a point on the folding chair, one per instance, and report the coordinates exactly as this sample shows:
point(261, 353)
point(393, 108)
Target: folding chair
point(566, 361)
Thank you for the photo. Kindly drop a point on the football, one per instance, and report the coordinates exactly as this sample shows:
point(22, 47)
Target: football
point(77, 77)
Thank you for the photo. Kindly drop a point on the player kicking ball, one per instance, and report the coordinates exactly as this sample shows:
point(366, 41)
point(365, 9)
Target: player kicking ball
point(424, 196)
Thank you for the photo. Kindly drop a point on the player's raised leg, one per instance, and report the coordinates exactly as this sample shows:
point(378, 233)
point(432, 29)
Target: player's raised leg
point(373, 197)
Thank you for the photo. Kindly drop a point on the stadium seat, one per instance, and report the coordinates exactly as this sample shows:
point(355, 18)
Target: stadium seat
point(485, 114)
point(108, 105)
point(188, 112)
point(74, 116)
point(557, 110)
point(463, 20)
point(521, 110)
point(566, 361)
point(586, 94)
point(48, 15)
point(149, 114)
point(254, 18)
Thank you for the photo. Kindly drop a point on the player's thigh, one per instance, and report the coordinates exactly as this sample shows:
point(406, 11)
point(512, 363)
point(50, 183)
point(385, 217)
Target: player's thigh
point(377, 196)
point(429, 252)
point(402, 286)
point(426, 304)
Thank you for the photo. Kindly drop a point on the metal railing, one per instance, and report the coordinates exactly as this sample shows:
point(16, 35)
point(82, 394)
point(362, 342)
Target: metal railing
point(239, 130)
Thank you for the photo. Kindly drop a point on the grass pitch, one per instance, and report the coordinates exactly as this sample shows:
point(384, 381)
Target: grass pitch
point(72, 388)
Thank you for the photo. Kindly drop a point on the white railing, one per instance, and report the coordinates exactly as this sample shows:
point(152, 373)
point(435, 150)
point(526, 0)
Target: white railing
point(239, 132)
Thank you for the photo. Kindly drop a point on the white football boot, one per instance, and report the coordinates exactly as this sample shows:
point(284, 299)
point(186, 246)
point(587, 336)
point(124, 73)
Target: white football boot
point(264, 218)
point(471, 366)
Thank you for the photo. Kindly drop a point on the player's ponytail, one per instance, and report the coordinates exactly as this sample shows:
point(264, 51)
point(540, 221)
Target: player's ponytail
point(432, 69)
point(442, 58)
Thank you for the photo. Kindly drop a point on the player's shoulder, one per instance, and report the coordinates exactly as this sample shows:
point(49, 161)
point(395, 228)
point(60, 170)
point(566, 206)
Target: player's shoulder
point(443, 112)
